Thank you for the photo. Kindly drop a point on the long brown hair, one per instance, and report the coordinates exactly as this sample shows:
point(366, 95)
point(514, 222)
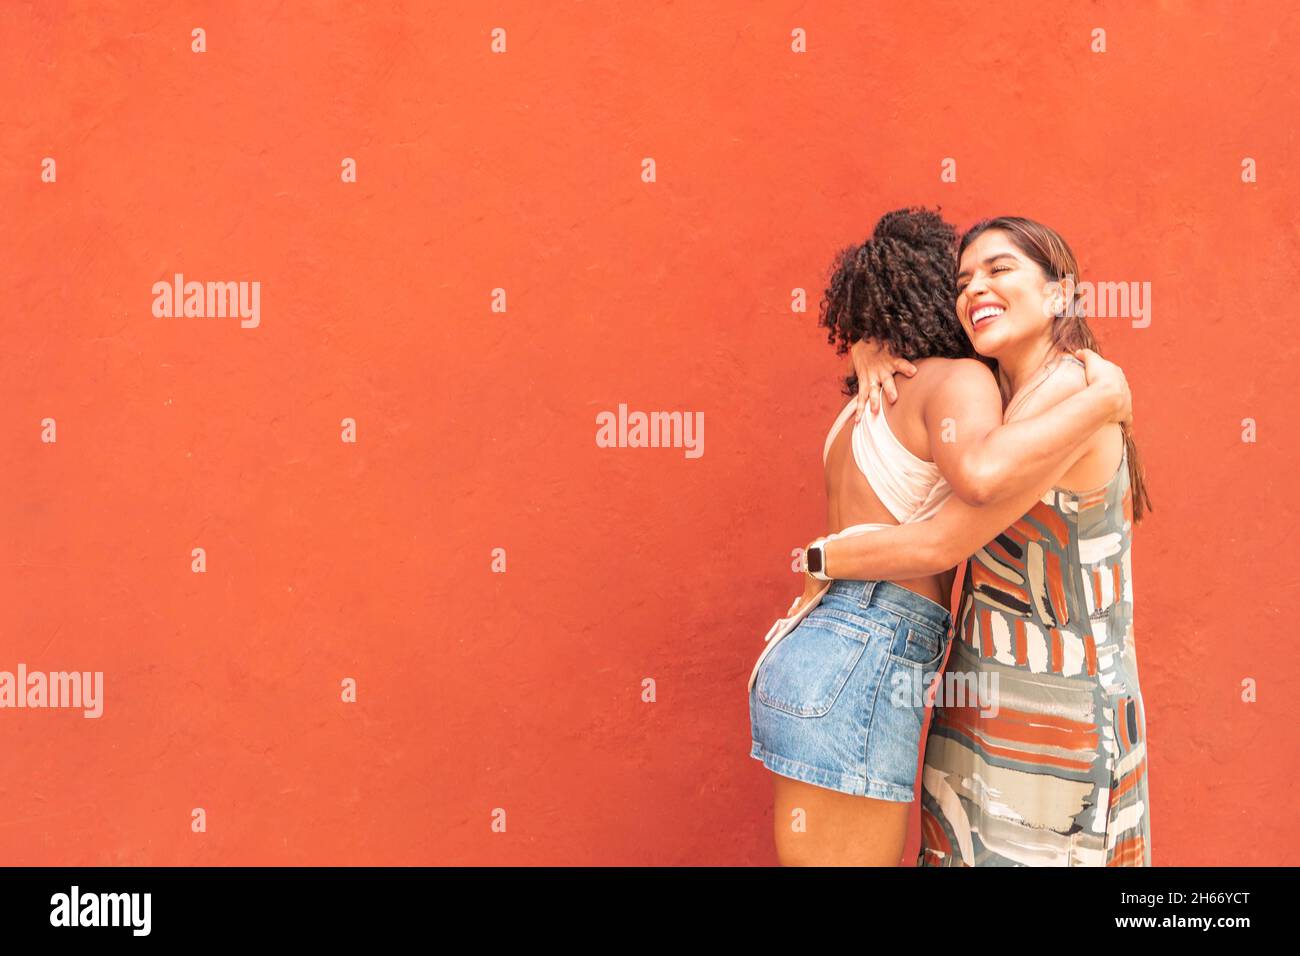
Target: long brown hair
point(1070, 329)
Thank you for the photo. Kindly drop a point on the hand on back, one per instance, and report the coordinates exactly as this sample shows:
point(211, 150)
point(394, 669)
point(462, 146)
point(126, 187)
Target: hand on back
point(875, 367)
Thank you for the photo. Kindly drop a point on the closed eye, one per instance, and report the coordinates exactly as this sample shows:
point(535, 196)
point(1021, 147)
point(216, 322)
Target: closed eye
point(1000, 267)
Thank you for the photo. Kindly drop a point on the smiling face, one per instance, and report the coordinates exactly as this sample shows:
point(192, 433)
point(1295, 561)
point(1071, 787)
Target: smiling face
point(1004, 301)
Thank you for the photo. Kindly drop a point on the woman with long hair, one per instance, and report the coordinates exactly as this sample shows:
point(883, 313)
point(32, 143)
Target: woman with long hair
point(825, 717)
point(1036, 754)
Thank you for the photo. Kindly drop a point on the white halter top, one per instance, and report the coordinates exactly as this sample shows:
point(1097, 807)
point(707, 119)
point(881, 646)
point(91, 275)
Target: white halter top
point(910, 487)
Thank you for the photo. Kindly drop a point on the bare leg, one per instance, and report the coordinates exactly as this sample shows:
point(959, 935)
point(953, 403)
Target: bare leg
point(836, 829)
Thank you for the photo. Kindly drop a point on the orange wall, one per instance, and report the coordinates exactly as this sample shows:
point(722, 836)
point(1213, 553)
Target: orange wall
point(476, 429)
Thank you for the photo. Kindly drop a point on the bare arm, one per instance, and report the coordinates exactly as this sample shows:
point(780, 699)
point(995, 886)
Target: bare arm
point(986, 462)
point(919, 550)
point(959, 528)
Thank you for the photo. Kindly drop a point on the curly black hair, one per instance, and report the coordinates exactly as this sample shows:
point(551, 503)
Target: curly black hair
point(899, 289)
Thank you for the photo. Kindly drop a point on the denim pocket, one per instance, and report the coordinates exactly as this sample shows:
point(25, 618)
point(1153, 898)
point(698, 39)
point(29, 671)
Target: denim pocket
point(917, 645)
point(806, 672)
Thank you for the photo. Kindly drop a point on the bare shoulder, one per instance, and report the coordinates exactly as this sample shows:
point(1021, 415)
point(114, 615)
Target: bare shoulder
point(955, 371)
point(1065, 379)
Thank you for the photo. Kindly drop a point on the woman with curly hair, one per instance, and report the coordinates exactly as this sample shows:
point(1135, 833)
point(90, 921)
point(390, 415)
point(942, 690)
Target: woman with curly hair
point(826, 712)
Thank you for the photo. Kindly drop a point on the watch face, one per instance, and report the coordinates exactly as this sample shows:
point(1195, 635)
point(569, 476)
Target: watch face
point(815, 559)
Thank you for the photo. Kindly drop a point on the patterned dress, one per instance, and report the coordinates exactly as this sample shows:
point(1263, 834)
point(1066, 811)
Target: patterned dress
point(1037, 749)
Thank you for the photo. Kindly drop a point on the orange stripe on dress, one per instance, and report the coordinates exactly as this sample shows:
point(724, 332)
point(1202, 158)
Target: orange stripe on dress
point(1051, 519)
point(981, 575)
point(1038, 760)
point(1129, 780)
point(1093, 498)
point(1023, 531)
point(996, 550)
point(1048, 720)
point(1090, 654)
point(1117, 573)
point(1128, 852)
point(1058, 652)
point(1021, 731)
point(1096, 589)
point(1056, 585)
point(986, 633)
point(1022, 645)
point(1016, 538)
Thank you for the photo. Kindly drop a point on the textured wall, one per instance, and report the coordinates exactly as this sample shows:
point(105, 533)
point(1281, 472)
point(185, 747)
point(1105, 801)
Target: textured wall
point(476, 429)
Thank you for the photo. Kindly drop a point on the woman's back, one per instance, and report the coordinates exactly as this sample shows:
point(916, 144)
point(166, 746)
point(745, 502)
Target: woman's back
point(880, 470)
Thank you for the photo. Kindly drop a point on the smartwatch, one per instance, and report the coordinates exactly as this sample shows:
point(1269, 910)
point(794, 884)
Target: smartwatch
point(816, 558)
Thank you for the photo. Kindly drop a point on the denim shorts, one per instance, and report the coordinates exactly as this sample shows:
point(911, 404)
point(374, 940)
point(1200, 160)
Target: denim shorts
point(839, 702)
